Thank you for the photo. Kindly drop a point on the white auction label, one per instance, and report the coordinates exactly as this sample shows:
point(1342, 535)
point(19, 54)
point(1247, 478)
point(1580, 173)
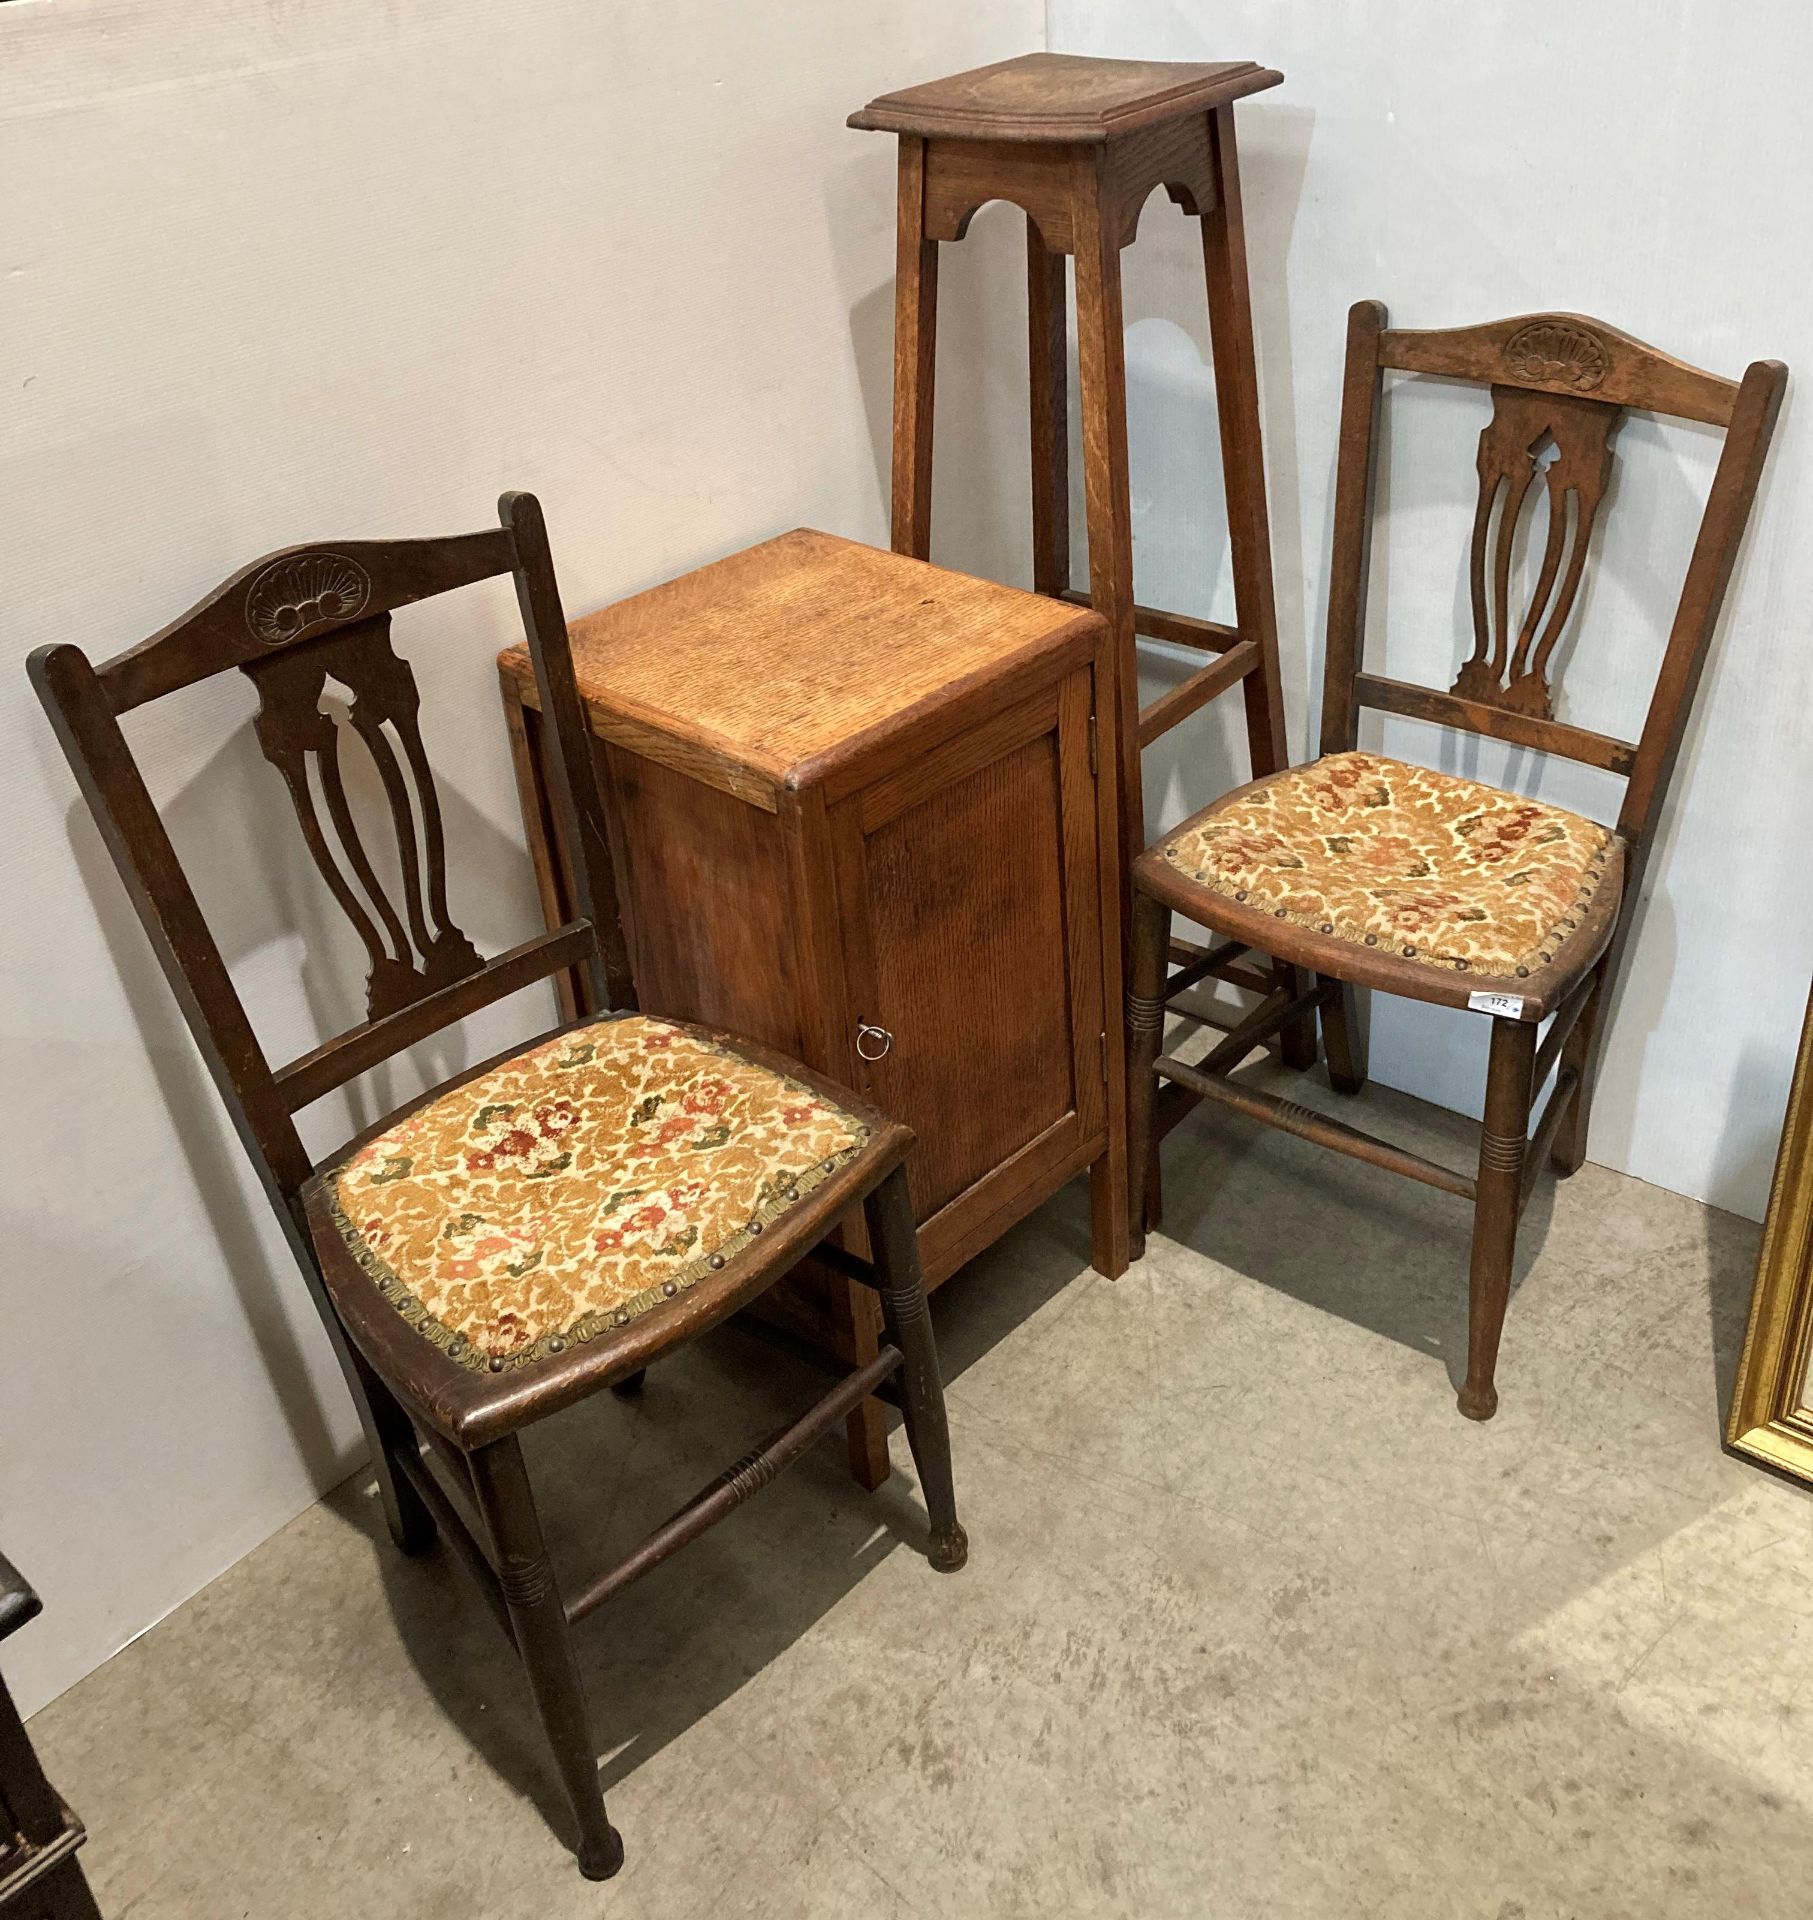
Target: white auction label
point(1508, 1006)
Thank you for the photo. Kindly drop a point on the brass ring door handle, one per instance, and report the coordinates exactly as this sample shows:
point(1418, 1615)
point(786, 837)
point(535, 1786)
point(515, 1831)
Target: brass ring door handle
point(870, 1036)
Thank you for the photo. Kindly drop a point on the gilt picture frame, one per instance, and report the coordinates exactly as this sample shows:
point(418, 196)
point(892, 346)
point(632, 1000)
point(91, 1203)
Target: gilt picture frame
point(1771, 1417)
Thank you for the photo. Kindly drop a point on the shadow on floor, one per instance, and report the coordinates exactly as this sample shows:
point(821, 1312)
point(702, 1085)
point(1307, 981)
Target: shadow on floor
point(1378, 1250)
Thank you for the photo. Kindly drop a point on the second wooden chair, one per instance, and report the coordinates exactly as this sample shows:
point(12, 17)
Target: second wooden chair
point(1375, 873)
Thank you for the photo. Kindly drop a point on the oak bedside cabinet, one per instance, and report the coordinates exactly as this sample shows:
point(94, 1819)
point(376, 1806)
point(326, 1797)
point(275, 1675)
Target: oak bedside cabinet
point(856, 814)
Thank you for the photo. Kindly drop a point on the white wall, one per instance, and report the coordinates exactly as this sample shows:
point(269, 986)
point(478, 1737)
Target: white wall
point(271, 272)
point(1647, 161)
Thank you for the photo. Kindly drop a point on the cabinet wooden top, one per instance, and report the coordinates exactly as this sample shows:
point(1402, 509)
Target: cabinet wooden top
point(780, 665)
point(1062, 97)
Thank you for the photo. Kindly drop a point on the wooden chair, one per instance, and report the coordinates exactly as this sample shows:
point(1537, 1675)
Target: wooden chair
point(1373, 873)
point(40, 1876)
point(550, 1222)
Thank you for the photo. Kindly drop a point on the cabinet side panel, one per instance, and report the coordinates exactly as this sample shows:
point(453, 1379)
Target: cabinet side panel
point(965, 910)
point(705, 894)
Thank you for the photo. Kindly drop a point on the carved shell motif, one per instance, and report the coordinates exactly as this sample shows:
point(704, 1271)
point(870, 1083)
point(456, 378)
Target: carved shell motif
point(1558, 354)
point(293, 597)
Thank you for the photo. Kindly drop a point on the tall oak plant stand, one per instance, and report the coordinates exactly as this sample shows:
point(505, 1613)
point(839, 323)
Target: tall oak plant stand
point(1079, 145)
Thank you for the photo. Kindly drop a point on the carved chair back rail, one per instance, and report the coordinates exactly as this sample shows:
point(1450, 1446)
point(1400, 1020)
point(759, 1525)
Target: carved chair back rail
point(683, 1167)
point(1429, 913)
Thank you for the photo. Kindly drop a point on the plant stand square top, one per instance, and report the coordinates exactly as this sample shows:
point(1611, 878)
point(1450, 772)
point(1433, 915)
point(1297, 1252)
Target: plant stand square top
point(1062, 97)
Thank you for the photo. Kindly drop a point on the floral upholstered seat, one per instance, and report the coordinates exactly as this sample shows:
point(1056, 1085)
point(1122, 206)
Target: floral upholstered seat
point(1417, 864)
point(579, 1184)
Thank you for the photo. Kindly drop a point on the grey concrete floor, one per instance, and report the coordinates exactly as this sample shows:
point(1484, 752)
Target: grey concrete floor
point(1254, 1622)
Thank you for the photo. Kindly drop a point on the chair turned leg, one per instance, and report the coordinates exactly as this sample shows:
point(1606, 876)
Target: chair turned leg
point(1297, 1042)
point(500, 1481)
point(888, 1212)
point(1153, 1193)
point(62, 1894)
point(1344, 1036)
point(1580, 1052)
point(388, 1432)
point(1145, 1034)
point(630, 1386)
point(1496, 1205)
